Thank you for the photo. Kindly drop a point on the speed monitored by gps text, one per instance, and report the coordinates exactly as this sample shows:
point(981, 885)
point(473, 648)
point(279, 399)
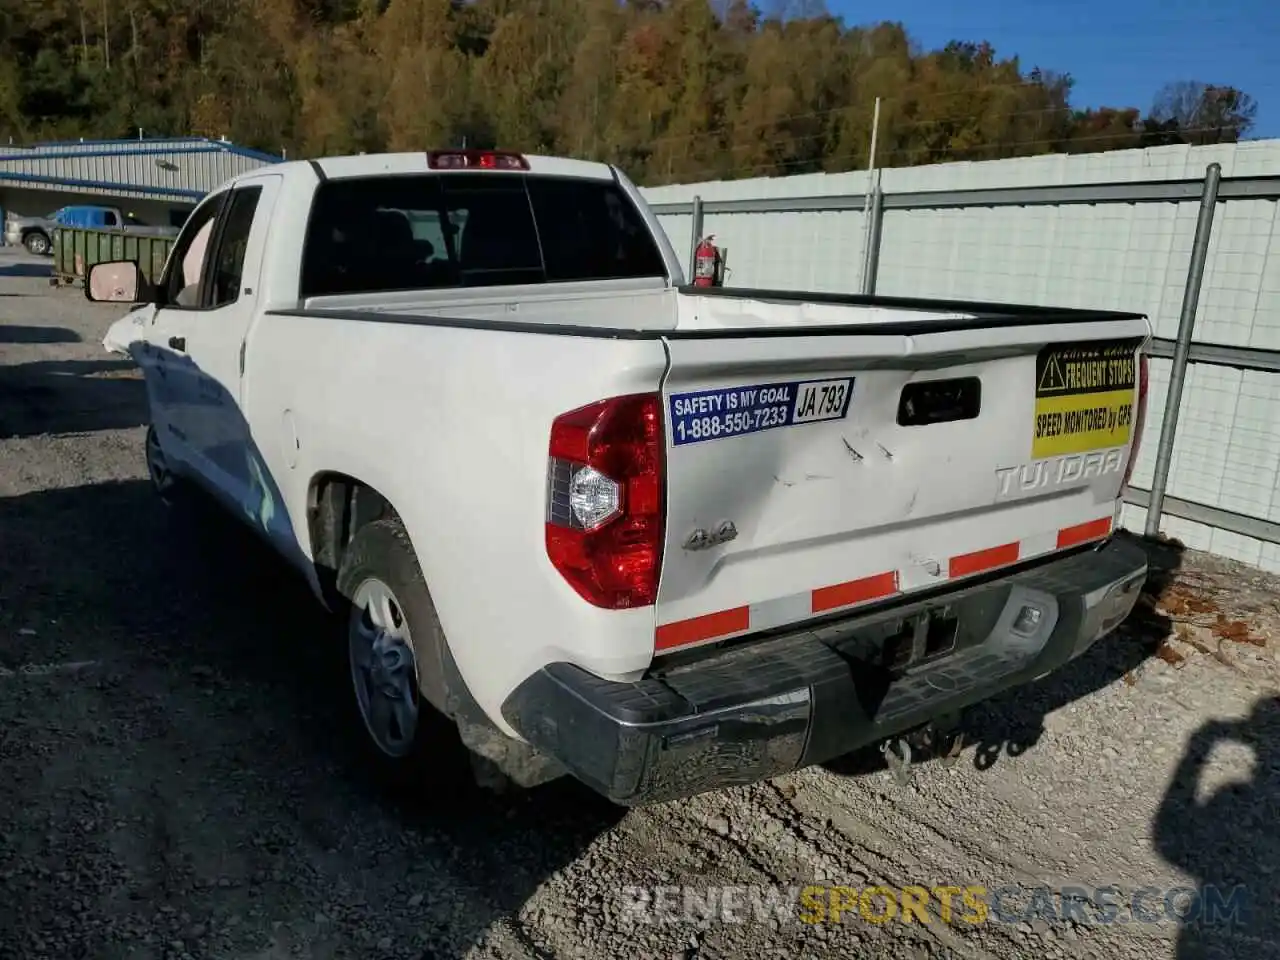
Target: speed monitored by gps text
point(1085, 397)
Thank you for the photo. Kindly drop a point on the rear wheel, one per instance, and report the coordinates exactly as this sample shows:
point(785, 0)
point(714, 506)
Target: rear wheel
point(37, 243)
point(392, 638)
point(384, 668)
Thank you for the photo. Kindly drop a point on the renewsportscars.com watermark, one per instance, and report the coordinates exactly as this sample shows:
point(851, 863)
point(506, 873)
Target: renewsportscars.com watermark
point(967, 905)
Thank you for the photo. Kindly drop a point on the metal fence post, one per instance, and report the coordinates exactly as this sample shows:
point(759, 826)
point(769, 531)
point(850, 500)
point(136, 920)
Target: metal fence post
point(696, 238)
point(871, 256)
point(1182, 347)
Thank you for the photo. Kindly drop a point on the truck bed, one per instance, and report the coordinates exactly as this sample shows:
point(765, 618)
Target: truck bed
point(705, 314)
point(948, 454)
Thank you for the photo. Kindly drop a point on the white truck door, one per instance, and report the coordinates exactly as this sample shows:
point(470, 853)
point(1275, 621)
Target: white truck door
point(217, 343)
point(161, 349)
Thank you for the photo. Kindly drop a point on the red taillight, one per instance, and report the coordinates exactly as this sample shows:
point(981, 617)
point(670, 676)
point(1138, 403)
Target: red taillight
point(476, 160)
point(605, 521)
point(1139, 415)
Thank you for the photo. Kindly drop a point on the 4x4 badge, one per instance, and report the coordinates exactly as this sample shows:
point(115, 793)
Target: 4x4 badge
point(700, 539)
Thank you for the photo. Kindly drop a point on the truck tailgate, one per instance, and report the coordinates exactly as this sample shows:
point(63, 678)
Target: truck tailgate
point(814, 470)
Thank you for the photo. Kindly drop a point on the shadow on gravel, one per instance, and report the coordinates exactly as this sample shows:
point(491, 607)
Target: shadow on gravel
point(17, 333)
point(204, 784)
point(1228, 842)
point(70, 396)
point(1013, 722)
point(26, 269)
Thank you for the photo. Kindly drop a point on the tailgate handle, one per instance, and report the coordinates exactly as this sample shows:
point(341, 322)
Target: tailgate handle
point(939, 401)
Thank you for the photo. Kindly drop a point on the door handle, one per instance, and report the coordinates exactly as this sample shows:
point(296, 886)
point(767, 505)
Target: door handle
point(178, 343)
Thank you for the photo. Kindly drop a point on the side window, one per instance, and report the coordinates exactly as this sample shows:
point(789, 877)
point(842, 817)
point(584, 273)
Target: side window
point(228, 262)
point(110, 219)
point(186, 262)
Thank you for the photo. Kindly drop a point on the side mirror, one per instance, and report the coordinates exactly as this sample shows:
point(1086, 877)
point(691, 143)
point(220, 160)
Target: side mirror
point(117, 281)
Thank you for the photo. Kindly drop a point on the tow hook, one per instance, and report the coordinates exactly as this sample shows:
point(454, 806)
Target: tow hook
point(897, 754)
point(943, 741)
point(952, 753)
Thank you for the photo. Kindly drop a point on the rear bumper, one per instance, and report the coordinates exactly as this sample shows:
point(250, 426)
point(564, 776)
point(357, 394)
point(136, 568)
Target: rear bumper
point(770, 705)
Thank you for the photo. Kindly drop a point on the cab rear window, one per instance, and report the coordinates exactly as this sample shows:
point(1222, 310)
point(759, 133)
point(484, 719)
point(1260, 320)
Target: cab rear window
point(421, 232)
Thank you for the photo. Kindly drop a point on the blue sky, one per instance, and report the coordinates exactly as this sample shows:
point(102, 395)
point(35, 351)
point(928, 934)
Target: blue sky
point(1119, 51)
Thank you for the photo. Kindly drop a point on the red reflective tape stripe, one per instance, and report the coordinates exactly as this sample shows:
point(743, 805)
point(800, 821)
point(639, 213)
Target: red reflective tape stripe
point(684, 632)
point(970, 563)
point(1084, 532)
point(854, 591)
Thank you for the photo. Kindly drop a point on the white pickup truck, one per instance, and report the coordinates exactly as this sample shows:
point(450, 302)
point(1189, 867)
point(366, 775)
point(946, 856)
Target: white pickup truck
point(665, 538)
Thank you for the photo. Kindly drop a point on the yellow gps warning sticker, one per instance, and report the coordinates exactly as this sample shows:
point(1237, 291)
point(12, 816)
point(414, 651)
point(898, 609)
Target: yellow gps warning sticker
point(1085, 396)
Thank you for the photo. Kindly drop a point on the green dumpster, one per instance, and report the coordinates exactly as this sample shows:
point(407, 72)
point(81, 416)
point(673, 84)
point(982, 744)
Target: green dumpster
point(76, 249)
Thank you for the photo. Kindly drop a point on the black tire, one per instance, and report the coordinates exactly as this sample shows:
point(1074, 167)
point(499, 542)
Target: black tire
point(381, 551)
point(37, 243)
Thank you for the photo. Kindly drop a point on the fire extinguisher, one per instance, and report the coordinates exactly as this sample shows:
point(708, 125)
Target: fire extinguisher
point(706, 263)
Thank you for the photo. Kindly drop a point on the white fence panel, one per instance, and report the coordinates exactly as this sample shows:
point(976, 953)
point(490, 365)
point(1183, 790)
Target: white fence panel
point(1114, 255)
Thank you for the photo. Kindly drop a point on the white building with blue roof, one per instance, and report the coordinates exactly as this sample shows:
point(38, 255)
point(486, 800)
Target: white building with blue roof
point(159, 180)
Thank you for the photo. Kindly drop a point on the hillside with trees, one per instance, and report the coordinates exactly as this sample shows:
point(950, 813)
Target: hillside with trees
point(671, 90)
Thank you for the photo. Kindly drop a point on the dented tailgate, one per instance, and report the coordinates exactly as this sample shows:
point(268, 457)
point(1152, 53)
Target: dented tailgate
point(815, 471)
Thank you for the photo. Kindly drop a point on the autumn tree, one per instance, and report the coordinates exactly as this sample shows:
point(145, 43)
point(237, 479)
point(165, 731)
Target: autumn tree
point(689, 102)
point(585, 108)
point(669, 90)
point(422, 100)
point(1105, 129)
point(524, 71)
point(1204, 113)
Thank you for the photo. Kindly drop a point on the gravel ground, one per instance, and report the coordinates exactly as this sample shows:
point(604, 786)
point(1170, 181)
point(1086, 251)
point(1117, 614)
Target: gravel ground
point(180, 778)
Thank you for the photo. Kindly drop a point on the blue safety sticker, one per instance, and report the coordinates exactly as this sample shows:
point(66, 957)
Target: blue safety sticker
point(733, 411)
